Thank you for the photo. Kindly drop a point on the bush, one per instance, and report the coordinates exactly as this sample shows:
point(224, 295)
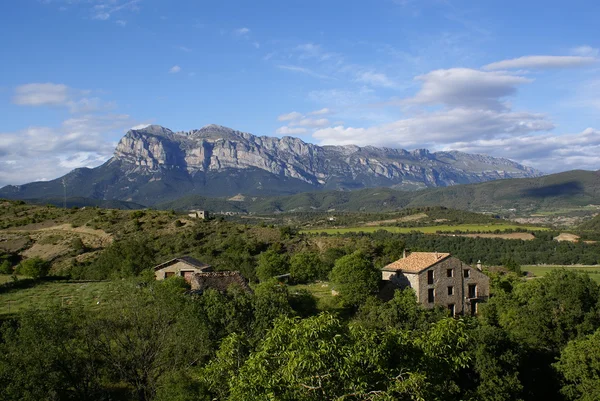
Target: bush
point(34, 267)
point(6, 267)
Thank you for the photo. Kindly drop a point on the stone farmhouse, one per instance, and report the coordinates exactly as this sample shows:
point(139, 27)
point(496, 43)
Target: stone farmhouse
point(184, 266)
point(440, 279)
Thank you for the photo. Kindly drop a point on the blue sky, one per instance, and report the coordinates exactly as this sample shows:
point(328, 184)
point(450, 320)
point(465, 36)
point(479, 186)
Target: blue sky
point(517, 79)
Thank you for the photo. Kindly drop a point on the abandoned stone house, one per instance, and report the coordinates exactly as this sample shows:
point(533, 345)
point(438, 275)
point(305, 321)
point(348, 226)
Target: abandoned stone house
point(184, 266)
point(440, 279)
point(219, 281)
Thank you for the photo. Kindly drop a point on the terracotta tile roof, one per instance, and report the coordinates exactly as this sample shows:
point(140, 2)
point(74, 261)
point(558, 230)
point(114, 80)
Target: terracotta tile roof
point(416, 261)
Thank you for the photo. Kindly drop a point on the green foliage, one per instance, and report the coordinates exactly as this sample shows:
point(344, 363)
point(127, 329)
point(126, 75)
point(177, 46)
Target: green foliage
point(513, 266)
point(355, 278)
point(547, 313)
point(34, 267)
point(6, 267)
point(271, 300)
point(497, 361)
point(307, 267)
point(125, 258)
point(270, 264)
point(321, 358)
point(579, 366)
point(401, 312)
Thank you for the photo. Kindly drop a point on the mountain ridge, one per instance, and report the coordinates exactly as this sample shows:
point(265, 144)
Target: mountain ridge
point(155, 164)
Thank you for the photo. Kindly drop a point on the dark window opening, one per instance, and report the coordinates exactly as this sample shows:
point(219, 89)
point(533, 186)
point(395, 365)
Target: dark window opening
point(451, 309)
point(472, 290)
point(450, 290)
point(430, 296)
point(473, 308)
point(467, 273)
point(169, 274)
point(430, 277)
point(450, 273)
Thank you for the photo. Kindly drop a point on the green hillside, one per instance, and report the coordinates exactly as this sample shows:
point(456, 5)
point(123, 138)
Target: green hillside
point(569, 190)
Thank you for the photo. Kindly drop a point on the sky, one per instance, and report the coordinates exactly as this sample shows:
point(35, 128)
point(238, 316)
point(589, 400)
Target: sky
point(514, 79)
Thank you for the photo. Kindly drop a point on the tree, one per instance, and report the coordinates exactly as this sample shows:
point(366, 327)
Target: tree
point(307, 267)
point(579, 366)
point(35, 267)
point(270, 300)
point(124, 258)
point(323, 358)
point(548, 312)
point(401, 312)
point(355, 278)
point(271, 264)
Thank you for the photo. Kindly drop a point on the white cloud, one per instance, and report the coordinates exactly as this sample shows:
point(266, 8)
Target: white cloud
point(41, 94)
point(436, 129)
point(241, 31)
point(342, 98)
point(310, 122)
point(102, 16)
point(184, 49)
point(58, 95)
point(541, 62)
point(294, 115)
point(585, 51)
point(303, 70)
point(320, 112)
point(375, 79)
point(48, 152)
point(575, 151)
point(175, 69)
point(105, 8)
point(463, 87)
point(290, 131)
point(140, 126)
point(121, 22)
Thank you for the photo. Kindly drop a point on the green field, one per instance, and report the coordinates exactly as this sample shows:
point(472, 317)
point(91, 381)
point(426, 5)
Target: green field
point(428, 229)
point(52, 293)
point(540, 271)
point(322, 292)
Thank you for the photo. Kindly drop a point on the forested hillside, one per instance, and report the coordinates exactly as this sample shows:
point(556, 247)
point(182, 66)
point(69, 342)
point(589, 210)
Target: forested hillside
point(141, 339)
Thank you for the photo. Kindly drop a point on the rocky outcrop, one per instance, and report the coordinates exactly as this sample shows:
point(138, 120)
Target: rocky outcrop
point(215, 148)
point(155, 164)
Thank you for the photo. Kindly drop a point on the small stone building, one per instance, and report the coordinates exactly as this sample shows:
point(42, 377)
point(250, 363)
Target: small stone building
point(198, 214)
point(219, 281)
point(184, 266)
point(440, 279)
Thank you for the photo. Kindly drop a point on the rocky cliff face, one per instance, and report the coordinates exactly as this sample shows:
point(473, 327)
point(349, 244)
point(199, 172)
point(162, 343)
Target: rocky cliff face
point(215, 148)
point(155, 164)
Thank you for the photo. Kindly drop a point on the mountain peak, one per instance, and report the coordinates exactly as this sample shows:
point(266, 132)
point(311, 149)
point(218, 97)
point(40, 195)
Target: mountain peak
point(154, 163)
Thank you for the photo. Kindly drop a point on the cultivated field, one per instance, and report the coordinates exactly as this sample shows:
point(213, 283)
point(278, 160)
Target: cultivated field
point(540, 271)
point(428, 229)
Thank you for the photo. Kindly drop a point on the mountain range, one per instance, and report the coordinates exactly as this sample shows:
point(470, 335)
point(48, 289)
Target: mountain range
point(154, 165)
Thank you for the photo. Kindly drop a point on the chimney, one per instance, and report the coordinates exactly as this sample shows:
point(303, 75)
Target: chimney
point(405, 253)
point(479, 264)
point(436, 256)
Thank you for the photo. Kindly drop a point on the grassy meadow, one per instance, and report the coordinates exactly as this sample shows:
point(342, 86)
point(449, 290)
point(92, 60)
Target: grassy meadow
point(52, 293)
point(540, 271)
point(428, 229)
